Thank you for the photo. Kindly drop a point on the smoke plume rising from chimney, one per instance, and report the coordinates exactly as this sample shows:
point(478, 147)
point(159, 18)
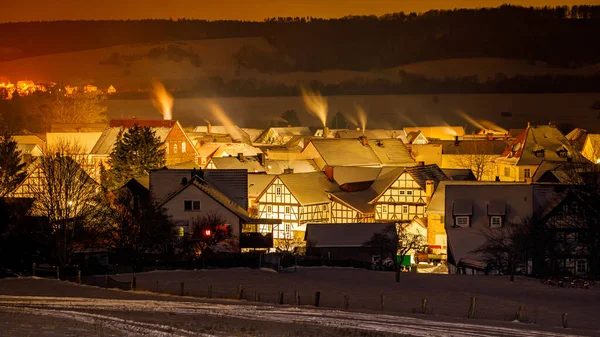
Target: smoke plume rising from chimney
point(362, 118)
point(162, 100)
point(315, 104)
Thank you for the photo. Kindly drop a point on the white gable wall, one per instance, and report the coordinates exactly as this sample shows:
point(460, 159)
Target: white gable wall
point(175, 209)
point(403, 201)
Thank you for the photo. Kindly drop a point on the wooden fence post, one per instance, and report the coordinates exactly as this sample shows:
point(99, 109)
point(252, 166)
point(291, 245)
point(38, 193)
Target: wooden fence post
point(564, 320)
point(519, 315)
point(33, 270)
point(424, 306)
point(346, 302)
point(240, 292)
point(472, 308)
point(297, 297)
point(317, 298)
point(209, 291)
point(280, 297)
point(256, 297)
point(79, 276)
point(133, 283)
point(58, 273)
point(382, 301)
point(181, 289)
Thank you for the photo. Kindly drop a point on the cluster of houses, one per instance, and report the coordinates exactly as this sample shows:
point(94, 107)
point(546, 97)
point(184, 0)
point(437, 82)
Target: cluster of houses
point(285, 187)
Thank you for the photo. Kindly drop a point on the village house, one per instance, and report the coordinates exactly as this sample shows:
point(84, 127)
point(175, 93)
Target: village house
point(465, 208)
point(236, 133)
point(478, 155)
point(187, 195)
point(178, 146)
point(407, 195)
point(563, 213)
point(281, 135)
point(31, 147)
point(332, 156)
point(436, 132)
point(207, 151)
point(591, 148)
point(538, 143)
point(296, 199)
point(80, 136)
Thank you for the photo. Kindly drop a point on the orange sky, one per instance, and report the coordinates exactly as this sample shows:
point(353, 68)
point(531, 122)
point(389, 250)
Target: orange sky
point(30, 10)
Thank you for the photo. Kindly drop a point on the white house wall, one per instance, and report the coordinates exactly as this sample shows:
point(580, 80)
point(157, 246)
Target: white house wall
point(183, 218)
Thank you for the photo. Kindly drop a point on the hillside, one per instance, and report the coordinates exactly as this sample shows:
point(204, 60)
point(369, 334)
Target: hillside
point(192, 64)
point(560, 36)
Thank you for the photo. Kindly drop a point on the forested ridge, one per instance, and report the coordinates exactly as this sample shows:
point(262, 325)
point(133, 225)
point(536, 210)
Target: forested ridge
point(560, 36)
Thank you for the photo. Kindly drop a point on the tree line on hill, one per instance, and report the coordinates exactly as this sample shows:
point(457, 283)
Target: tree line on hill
point(562, 36)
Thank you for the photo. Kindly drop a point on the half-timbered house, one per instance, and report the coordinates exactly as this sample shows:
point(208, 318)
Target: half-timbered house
point(296, 199)
point(407, 196)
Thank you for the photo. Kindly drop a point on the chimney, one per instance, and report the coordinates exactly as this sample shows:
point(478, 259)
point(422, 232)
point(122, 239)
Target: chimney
point(288, 171)
point(528, 125)
point(325, 132)
point(364, 141)
point(552, 124)
point(262, 159)
point(420, 163)
point(490, 136)
point(208, 128)
point(240, 156)
point(456, 142)
point(429, 187)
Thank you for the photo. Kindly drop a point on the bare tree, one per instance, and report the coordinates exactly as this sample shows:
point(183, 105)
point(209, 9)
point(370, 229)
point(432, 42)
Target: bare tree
point(396, 242)
point(64, 194)
point(510, 246)
point(476, 156)
point(208, 231)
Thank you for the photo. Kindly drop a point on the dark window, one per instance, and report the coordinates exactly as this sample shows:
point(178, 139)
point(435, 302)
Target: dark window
point(196, 205)
point(187, 205)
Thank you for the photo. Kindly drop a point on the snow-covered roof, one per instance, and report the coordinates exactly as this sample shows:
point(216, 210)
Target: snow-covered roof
point(539, 143)
point(437, 132)
point(258, 182)
point(345, 152)
point(391, 152)
point(309, 188)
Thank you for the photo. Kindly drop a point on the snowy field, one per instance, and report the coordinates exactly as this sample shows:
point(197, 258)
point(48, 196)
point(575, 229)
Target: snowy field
point(447, 295)
point(38, 307)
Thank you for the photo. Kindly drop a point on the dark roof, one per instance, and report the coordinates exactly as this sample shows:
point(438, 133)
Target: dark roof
point(427, 172)
point(459, 174)
point(343, 235)
point(222, 199)
point(491, 147)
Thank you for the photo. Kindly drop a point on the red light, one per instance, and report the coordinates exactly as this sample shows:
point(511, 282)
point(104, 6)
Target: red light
point(207, 232)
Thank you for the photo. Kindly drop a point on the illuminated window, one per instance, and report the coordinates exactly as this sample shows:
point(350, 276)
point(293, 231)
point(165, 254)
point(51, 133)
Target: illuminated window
point(495, 221)
point(581, 266)
point(462, 221)
point(527, 173)
point(174, 147)
point(181, 232)
point(278, 190)
point(183, 147)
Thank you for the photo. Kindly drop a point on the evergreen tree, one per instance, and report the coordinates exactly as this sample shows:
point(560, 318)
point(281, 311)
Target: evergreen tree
point(338, 121)
point(138, 150)
point(11, 168)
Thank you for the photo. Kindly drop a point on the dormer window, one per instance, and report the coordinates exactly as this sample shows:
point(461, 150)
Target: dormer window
point(539, 153)
point(562, 152)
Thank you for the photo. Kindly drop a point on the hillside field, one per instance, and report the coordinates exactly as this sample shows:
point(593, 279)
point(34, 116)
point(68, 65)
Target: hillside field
point(217, 59)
